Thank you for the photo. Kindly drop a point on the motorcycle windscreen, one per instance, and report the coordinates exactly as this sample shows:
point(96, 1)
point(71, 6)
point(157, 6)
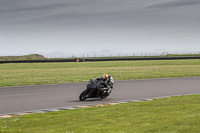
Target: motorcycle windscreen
point(93, 84)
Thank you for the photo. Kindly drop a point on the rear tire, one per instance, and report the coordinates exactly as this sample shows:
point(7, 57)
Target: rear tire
point(83, 95)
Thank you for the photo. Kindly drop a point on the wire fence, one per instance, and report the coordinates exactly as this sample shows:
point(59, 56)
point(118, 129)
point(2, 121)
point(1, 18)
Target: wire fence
point(121, 55)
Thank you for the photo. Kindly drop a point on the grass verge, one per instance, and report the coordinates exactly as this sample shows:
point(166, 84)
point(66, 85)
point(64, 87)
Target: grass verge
point(178, 114)
point(18, 74)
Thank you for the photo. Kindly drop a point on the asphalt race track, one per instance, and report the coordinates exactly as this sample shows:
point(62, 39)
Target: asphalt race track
point(26, 98)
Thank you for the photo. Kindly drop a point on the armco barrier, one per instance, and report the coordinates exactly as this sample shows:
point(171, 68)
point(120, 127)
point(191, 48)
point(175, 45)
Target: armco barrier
point(102, 59)
point(142, 58)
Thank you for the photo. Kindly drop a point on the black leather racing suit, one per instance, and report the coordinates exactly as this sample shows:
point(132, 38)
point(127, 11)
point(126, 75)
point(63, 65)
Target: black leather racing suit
point(107, 84)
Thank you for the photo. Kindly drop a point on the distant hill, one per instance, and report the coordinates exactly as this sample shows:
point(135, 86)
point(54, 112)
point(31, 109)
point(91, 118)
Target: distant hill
point(24, 57)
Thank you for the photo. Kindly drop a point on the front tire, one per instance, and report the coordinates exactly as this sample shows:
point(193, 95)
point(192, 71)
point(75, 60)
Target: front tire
point(103, 97)
point(84, 95)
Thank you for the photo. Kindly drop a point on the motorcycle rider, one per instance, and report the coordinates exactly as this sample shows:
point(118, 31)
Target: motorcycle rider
point(107, 82)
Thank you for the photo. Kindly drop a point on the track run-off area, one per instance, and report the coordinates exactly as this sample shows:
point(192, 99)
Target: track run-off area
point(27, 98)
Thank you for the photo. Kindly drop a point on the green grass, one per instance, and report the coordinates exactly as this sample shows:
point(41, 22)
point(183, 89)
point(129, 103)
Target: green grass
point(18, 74)
point(167, 115)
point(174, 115)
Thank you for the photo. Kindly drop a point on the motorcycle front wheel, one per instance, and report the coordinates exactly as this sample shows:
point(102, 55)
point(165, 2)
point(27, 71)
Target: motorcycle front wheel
point(84, 95)
point(104, 96)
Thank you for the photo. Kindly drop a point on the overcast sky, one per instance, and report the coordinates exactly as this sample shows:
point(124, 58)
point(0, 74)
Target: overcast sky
point(76, 26)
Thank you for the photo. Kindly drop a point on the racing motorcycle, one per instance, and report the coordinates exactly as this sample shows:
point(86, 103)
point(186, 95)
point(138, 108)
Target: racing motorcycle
point(93, 87)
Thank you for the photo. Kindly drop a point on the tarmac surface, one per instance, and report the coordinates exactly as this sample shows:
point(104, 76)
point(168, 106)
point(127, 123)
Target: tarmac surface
point(26, 98)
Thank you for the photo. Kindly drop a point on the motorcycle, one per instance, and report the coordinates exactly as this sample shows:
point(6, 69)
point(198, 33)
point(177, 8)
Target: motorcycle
point(93, 87)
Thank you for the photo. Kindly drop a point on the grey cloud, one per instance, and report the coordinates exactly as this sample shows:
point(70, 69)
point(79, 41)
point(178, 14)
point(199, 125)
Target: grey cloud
point(61, 11)
point(25, 12)
point(174, 3)
point(10, 6)
point(117, 24)
point(34, 14)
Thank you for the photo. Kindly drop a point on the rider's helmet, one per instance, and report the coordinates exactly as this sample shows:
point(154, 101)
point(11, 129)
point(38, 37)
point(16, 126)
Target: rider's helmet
point(104, 76)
